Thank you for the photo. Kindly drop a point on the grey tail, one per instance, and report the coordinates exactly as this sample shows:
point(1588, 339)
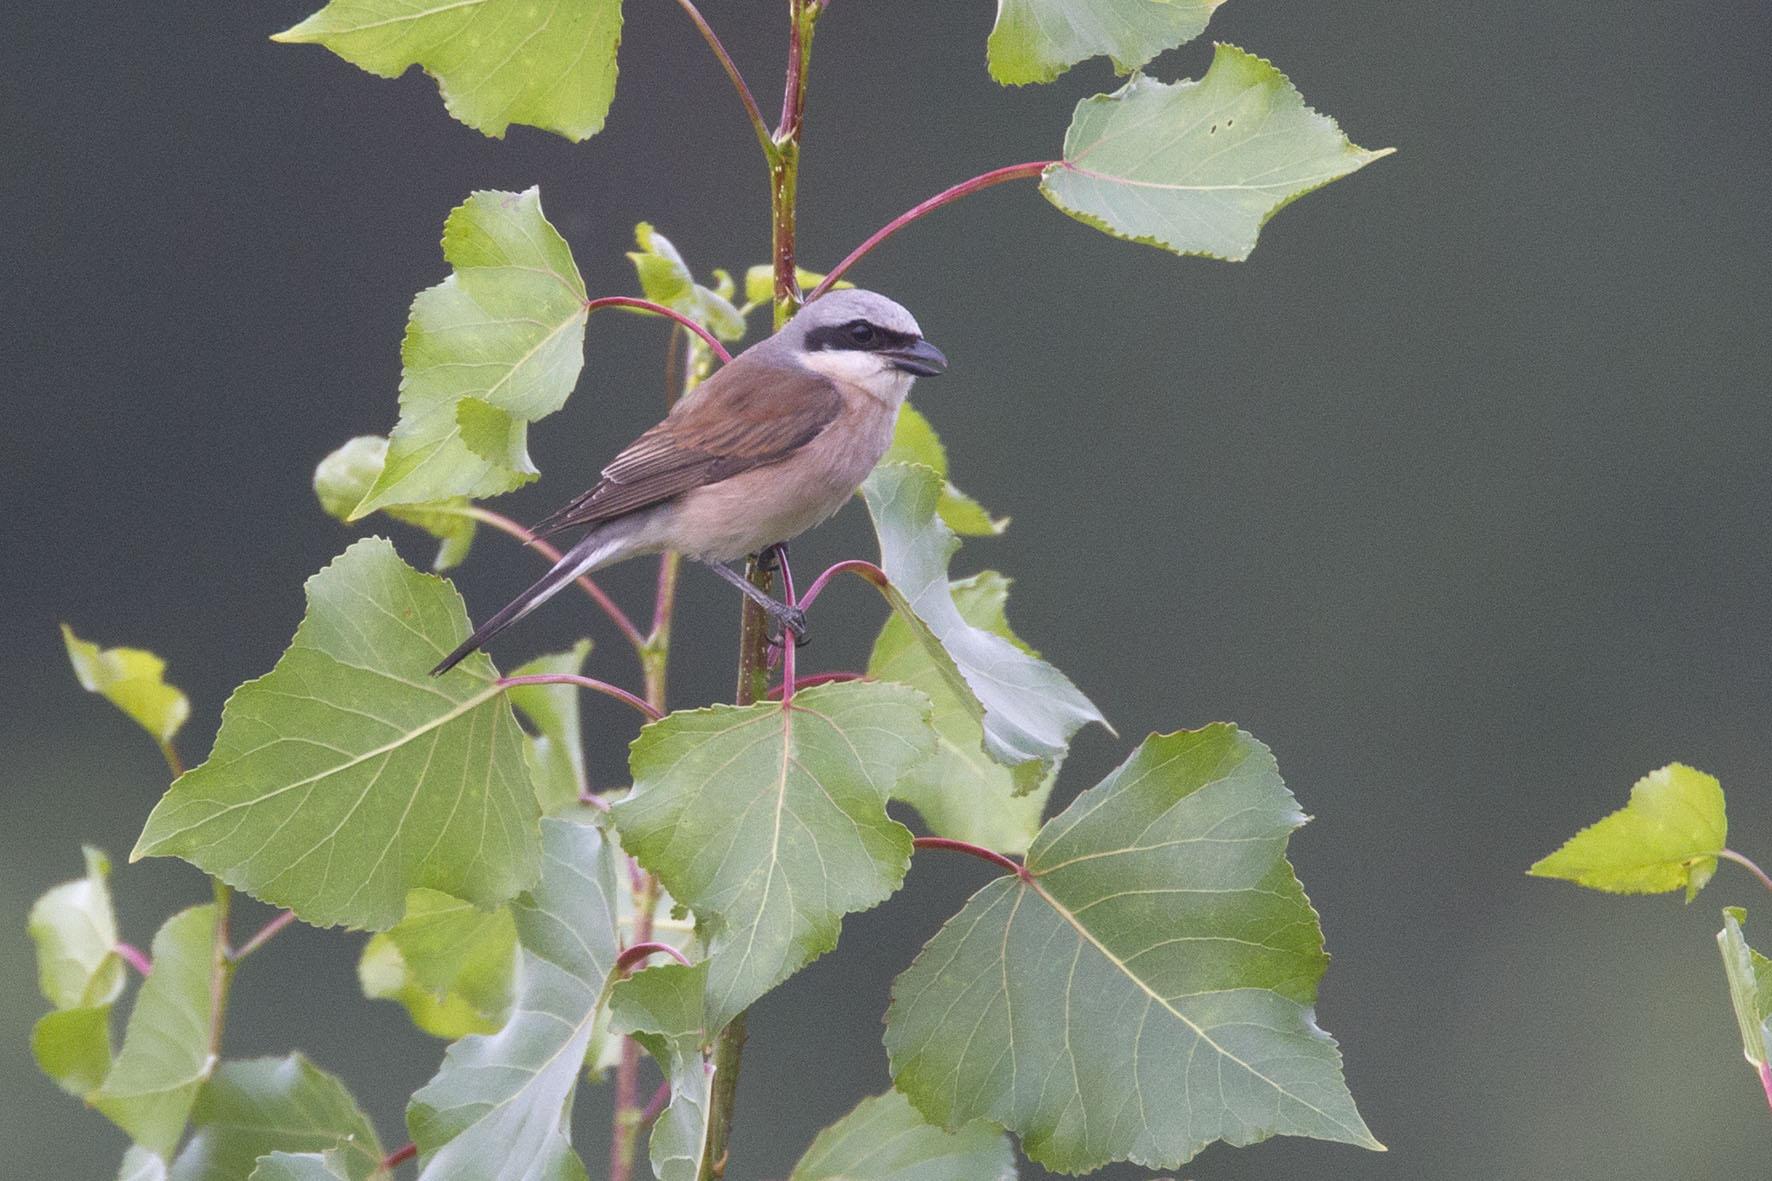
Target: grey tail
point(593, 550)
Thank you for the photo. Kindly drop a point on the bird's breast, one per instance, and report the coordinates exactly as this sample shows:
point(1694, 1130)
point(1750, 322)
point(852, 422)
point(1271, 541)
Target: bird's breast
point(754, 509)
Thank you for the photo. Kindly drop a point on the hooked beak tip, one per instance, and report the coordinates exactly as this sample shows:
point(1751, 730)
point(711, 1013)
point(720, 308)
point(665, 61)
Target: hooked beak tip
point(921, 358)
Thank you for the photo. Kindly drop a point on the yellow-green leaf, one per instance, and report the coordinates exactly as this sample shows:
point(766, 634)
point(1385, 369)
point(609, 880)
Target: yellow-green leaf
point(491, 349)
point(1666, 838)
point(76, 935)
point(133, 680)
point(344, 478)
point(914, 441)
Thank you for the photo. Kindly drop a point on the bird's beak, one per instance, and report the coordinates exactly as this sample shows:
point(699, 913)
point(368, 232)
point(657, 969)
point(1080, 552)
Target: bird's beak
point(919, 357)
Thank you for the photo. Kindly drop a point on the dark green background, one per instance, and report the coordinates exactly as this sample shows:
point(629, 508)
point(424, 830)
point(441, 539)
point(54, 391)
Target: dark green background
point(1455, 494)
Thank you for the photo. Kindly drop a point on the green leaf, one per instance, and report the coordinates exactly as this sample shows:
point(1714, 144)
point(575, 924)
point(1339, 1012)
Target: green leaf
point(914, 441)
point(133, 680)
point(556, 749)
point(666, 279)
point(1198, 167)
point(958, 790)
point(1750, 992)
point(73, 1047)
point(499, 1106)
point(1037, 40)
point(166, 1047)
point(886, 1139)
point(345, 477)
point(347, 775)
point(76, 935)
point(1146, 986)
point(492, 348)
point(254, 1107)
point(301, 1166)
point(450, 964)
point(663, 1008)
point(671, 924)
point(759, 282)
point(769, 822)
point(1029, 709)
point(141, 1165)
point(497, 62)
point(1666, 838)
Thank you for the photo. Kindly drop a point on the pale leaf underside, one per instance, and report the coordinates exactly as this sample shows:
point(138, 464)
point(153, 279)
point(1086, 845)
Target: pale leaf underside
point(1198, 167)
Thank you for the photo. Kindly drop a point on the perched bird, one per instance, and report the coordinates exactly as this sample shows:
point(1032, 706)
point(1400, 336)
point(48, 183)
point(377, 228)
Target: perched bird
point(770, 445)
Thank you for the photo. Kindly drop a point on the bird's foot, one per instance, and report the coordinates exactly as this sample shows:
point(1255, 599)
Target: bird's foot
point(783, 619)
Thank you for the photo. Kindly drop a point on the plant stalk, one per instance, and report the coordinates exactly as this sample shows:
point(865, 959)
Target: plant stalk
point(753, 639)
point(947, 196)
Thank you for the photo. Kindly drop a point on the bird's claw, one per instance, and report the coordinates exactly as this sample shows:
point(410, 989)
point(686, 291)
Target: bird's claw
point(783, 618)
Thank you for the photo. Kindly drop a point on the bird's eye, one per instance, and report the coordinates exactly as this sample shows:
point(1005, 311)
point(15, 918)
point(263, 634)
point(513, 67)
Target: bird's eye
point(862, 333)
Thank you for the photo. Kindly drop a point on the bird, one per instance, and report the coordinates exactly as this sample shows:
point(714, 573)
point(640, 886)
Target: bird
point(771, 444)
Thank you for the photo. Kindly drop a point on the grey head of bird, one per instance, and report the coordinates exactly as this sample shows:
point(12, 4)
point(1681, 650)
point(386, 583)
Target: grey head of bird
point(860, 335)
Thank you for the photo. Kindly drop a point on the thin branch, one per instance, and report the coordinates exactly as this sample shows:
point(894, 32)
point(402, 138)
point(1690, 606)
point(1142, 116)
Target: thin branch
point(640, 952)
point(808, 682)
point(400, 1155)
point(221, 972)
point(866, 571)
point(1739, 859)
point(655, 1106)
point(738, 83)
point(978, 851)
point(591, 683)
point(134, 956)
point(965, 188)
point(632, 303)
point(591, 799)
point(263, 936)
point(598, 595)
point(169, 752)
point(790, 646)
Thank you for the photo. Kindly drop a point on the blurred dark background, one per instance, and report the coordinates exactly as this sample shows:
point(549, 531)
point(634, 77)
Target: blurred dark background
point(1455, 494)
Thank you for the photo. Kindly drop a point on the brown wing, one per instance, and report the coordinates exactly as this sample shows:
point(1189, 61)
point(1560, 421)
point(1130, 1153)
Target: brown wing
point(743, 417)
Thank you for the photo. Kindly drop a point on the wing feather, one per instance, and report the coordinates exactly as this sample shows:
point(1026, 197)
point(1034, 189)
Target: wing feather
point(743, 417)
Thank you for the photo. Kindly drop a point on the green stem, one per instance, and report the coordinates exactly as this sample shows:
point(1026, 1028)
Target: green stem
point(753, 639)
point(221, 971)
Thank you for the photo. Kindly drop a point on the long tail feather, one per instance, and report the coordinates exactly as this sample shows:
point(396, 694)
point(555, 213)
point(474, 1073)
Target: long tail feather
point(595, 549)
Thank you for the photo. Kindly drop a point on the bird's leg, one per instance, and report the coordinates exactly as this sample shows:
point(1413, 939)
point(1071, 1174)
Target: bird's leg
point(780, 614)
point(773, 557)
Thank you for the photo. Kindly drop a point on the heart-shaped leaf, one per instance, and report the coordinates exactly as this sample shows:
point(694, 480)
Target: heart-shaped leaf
point(1037, 40)
point(492, 348)
point(1145, 986)
point(1198, 167)
point(544, 63)
point(347, 775)
point(1666, 838)
point(769, 822)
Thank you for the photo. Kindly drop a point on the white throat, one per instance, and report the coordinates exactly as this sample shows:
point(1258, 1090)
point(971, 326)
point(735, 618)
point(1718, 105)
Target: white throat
point(873, 374)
